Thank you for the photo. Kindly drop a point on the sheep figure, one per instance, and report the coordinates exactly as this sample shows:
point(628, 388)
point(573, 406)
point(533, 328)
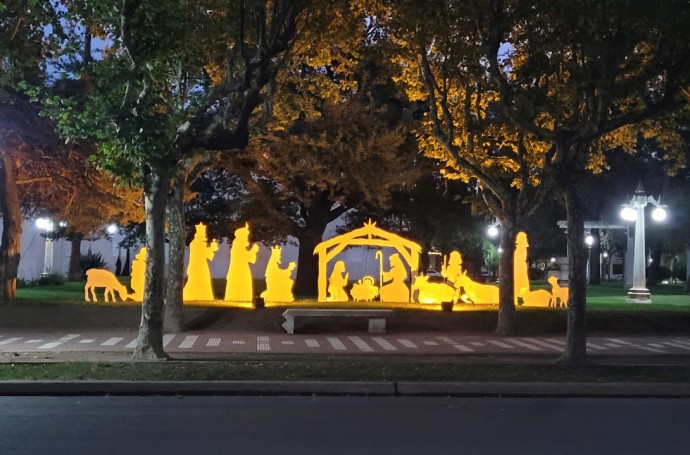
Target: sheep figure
point(101, 278)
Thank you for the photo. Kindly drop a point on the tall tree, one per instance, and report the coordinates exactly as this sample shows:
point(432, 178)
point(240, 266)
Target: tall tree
point(353, 152)
point(24, 136)
point(569, 76)
point(176, 80)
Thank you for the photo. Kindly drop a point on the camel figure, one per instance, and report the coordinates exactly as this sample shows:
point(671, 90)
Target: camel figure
point(432, 292)
point(559, 294)
point(477, 292)
point(101, 278)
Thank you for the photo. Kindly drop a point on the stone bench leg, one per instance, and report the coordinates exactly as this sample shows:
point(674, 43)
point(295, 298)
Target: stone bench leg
point(289, 324)
point(377, 325)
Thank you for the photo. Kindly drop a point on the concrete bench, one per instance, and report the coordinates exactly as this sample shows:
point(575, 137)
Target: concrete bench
point(377, 318)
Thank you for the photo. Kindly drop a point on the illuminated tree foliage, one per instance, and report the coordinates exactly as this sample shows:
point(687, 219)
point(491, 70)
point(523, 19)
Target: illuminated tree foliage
point(462, 128)
point(350, 154)
point(175, 79)
point(340, 134)
point(571, 78)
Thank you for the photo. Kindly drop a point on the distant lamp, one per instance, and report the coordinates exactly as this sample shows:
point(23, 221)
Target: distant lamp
point(605, 254)
point(62, 224)
point(111, 229)
point(589, 240)
point(628, 213)
point(45, 224)
point(659, 214)
point(634, 211)
point(553, 260)
point(492, 231)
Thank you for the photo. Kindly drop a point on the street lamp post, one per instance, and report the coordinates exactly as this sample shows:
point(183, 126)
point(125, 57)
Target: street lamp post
point(634, 211)
point(46, 224)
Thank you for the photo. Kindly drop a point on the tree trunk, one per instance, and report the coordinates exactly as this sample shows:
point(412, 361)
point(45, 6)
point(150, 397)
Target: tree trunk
point(316, 218)
point(11, 229)
point(307, 275)
point(173, 322)
point(150, 338)
point(506, 306)
point(686, 288)
point(576, 338)
point(75, 273)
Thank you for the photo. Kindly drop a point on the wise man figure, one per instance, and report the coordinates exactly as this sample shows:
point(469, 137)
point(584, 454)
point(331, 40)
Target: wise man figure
point(199, 285)
point(239, 285)
point(278, 279)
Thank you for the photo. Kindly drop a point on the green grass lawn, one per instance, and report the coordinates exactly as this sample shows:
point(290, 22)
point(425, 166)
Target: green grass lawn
point(339, 370)
point(606, 296)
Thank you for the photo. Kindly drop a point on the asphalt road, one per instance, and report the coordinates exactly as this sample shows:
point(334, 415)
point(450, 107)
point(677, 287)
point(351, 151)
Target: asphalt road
point(341, 425)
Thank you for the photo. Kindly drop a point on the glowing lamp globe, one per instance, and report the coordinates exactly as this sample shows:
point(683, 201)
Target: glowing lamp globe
point(492, 231)
point(629, 214)
point(659, 214)
point(111, 229)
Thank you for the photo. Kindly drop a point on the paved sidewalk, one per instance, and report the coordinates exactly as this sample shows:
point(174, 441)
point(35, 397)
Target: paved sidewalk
point(112, 341)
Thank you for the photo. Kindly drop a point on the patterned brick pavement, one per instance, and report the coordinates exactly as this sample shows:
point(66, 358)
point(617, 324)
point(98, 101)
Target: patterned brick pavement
point(407, 344)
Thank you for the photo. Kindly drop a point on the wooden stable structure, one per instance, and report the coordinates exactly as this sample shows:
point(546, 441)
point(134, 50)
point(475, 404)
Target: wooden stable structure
point(368, 235)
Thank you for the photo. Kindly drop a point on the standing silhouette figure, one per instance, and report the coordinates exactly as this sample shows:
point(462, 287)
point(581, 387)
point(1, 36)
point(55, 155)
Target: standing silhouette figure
point(239, 286)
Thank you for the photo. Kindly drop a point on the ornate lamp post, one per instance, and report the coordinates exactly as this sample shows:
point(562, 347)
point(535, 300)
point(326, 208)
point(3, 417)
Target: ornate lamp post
point(634, 211)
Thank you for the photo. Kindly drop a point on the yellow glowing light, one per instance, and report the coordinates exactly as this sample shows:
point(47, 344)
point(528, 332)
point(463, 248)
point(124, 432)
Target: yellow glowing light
point(432, 292)
point(198, 286)
point(278, 281)
point(138, 275)
point(239, 285)
point(101, 278)
point(476, 292)
point(520, 276)
point(559, 295)
point(391, 282)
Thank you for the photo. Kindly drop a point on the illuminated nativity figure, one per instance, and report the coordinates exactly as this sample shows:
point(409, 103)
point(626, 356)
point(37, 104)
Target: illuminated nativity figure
point(199, 285)
point(337, 283)
point(395, 290)
point(278, 281)
point(239, 286)
point(520, 276)
point(138, 275)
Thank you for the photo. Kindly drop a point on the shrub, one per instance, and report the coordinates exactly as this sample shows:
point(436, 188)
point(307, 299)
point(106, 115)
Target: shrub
point(51, 279)
point(91, 260)
point(535, 273)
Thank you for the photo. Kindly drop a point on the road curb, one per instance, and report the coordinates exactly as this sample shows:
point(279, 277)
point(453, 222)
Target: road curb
point(543, 389)
point(342, 388)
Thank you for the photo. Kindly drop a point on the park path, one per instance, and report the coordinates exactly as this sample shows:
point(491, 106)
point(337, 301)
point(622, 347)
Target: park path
point(14, 341)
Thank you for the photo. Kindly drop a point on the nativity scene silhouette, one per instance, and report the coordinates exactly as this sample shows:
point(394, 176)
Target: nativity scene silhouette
point(398, 281)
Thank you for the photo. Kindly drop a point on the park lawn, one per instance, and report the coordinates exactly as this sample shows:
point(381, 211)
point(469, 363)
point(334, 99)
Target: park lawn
point(609, 296)
point(333, 369)
point(62, 306)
